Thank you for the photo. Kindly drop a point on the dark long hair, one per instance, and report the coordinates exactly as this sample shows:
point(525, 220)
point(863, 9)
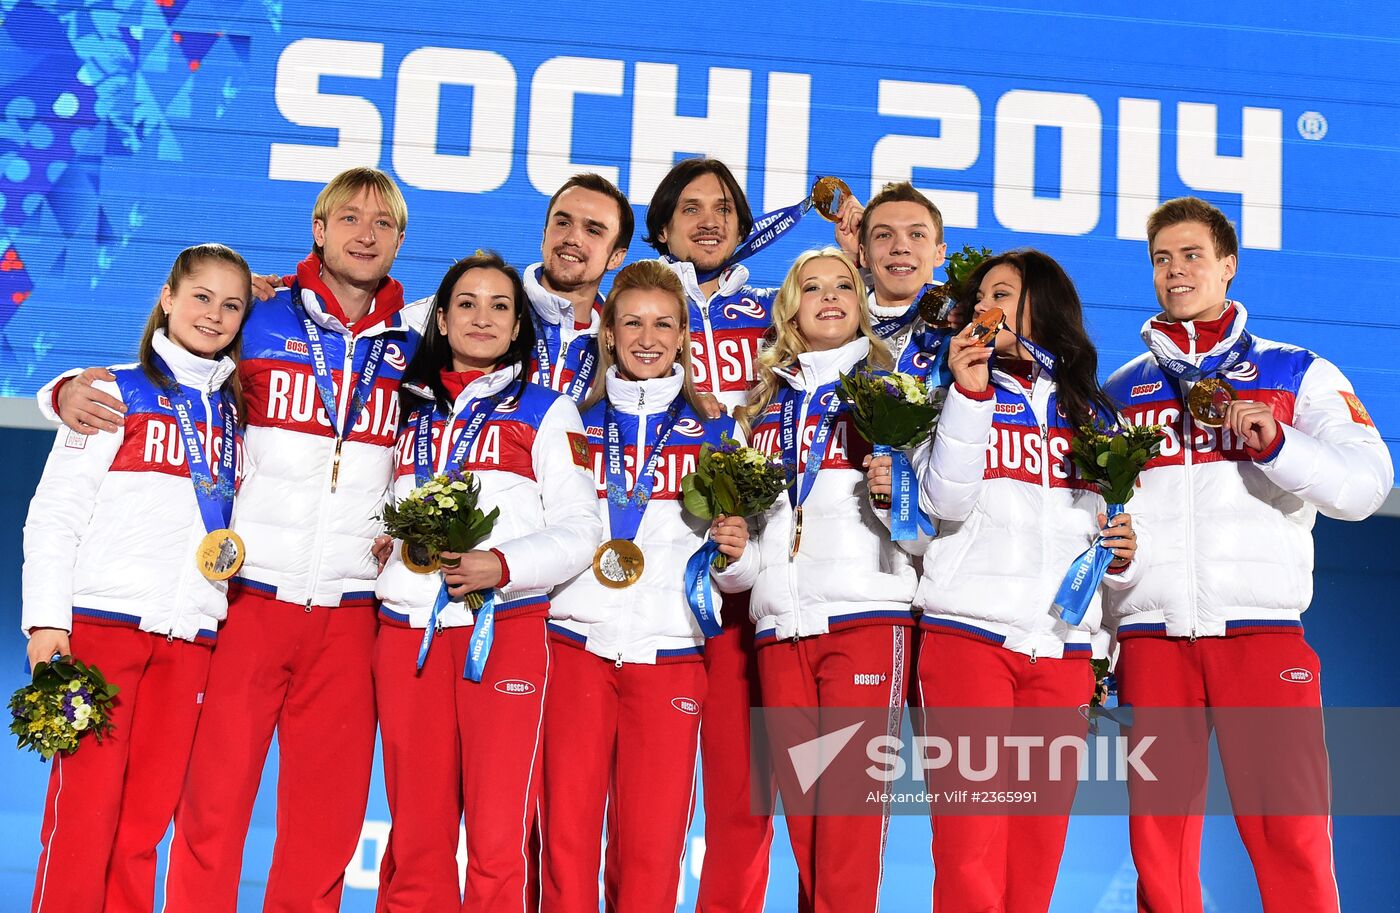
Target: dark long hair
point(434, 352)
point(668, 194)
point(1057, 325)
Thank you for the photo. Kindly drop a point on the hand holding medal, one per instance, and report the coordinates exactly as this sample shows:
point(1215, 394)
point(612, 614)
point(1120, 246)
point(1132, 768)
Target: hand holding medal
point(1209, 401)
point(969, 354)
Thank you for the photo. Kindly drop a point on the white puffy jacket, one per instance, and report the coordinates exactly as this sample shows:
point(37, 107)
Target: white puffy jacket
point(650, 621)
point(846, 572)
point(1232, 530)
point(1013, 515)
point(531, 462)
point(113, 527)
point(726, 331)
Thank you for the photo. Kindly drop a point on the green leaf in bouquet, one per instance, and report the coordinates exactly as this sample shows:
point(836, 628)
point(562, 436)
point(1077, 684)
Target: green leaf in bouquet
point(1102, 459)
point(694, 500)
point(725, 495)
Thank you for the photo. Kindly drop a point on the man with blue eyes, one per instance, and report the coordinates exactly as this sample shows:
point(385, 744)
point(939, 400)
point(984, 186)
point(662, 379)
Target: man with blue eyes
point(587, 230)
point(1260, 437)
point(697, 218)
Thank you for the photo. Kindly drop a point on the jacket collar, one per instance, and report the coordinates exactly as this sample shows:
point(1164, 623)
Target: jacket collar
point(730, 281)
point(385, 311)
point(556, 309)
point(1161, 344)
point(190, 370)
point(815, 369)
point(644, 397)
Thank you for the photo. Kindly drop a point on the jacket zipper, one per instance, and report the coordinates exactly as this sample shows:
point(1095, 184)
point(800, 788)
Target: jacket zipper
point(337, 422)
point(1188, 444)
point(711, 356)
point(792, 559)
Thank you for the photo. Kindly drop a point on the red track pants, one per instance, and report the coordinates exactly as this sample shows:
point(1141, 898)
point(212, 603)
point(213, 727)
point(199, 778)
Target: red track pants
point(734, 874)
point(840, 858)
point(625, 736)
point(453, 747)
point(1006, 863)
point(110, 803)
point(306, 674)
point(1292, 854)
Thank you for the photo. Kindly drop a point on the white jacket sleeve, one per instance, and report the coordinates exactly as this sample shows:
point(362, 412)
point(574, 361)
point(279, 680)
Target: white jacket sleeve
point(950, 472)
point(45, 396)
point(740, 575)
point(572, 529)
point(59, 516)
point(1332, 456)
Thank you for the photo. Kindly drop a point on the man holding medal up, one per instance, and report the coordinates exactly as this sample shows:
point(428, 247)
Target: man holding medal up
point(1261, 436)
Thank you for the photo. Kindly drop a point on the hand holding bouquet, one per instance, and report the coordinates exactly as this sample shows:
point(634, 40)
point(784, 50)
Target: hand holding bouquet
point(732, 481)
point(1111, 458)
point(65, 701)
point(893, 411)
point(441, 515)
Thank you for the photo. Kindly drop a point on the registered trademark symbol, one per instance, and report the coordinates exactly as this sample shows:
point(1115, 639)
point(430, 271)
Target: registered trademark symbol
point(1312, 125)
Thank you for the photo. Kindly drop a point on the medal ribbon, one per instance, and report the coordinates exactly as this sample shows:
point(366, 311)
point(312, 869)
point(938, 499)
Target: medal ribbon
point(1084, 576)
point(1216, 364)
point(422, 472)
point(886, 327)
point(791, 441)
point(698, 590)
point(624, 512)
point(581, 355)
point(906, 519)
point(364, 385)
point(215, 498)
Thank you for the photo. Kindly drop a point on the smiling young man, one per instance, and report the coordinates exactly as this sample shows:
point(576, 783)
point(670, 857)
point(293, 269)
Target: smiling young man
point(320, 371)
point(1261, 436)
point(697, 218)
point(587, 230)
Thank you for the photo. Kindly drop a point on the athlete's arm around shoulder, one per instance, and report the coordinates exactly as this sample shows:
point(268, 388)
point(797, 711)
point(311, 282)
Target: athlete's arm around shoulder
point(1332, 456)
point(572, 525)
point(58, 520)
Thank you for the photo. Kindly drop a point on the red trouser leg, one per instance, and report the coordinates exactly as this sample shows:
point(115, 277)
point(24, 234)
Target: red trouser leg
point(162, 732)
point(1051, 690)
point(580, 735)
point(1276, 761)
point(969, 851)
point(658, 730)
point(306, 674)
point(500, 721)
point(422, 771)
point(1155, 673)
point(734, 874)
point(86, 829)
point(843, 855)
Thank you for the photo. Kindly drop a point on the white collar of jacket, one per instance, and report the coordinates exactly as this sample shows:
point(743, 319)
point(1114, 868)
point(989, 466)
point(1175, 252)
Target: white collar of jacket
point(551, 308)
point(486, 385)
point(730, 281)
point(644, 397)
point(312, 302)
point(191, 370)
point(883, 312)
point(1163, 349)
point(813, 369)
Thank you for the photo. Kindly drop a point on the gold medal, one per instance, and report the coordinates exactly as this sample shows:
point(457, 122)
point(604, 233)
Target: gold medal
point(418, 559)
point(618, 563)
point(219, 555)
point(796, 532)
point(1208, 401)
point(988, 324)
point(827, 196)
point(935, 306)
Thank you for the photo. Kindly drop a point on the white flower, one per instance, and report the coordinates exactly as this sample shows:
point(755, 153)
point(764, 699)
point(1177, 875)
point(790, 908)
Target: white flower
point(81, 713)
point(80, 723)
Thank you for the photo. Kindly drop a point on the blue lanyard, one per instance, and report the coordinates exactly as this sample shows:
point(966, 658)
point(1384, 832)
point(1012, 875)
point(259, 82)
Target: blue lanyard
point(1216, 364)
point(423, 436)
point(364, 386)
point(581, 355)
point(791, 439)
point(215, 498)
point(1046, 360)
point(624, 512)
point(889, 326)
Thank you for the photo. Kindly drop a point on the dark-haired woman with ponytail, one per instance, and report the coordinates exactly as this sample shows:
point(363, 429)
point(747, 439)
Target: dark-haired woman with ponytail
point(1013, 515)
point(462, 738)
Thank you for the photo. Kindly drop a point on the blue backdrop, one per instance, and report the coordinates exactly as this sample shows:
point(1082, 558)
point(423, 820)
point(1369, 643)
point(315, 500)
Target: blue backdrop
point(131, 128)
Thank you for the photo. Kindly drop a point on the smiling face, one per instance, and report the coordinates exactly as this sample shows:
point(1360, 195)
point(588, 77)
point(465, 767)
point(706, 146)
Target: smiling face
point(646, 333)
point(704, 229)
point(204, 311)
point(480, 320)
point(579, 238)
point(829, 303)
point(1191, 279)
point(1001, 287)
point(902, 249)
point(359, 240)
